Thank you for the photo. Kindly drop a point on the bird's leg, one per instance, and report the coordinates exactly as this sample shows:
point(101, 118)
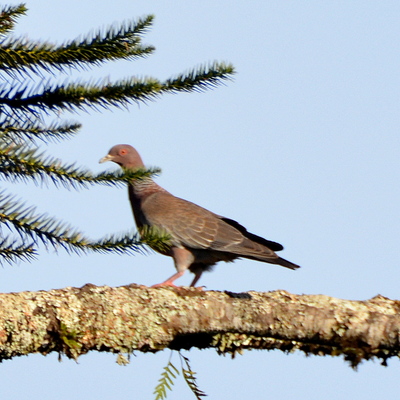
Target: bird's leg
point(170, 281)
point(197, 276)
point(183, 258)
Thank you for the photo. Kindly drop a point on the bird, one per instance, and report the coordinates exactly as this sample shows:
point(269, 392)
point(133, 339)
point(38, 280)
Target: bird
point(198, 238)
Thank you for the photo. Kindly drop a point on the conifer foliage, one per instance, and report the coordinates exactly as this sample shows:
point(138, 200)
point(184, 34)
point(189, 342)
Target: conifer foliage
point(27, 100)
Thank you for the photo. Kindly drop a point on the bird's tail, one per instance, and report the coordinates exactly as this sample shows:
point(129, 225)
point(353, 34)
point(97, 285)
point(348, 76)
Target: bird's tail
point(272, 259)
point(285, 263)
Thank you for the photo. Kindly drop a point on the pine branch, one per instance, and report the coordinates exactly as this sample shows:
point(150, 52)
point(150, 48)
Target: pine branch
point(78, 96)
point(39, 227)
point(22, 131)
point(119, 244)
point(118, 42)
point(24, 100)
point(190, 378)
point(122, 177)
point(74, 97)
point(200, 79)
point(170, 374)
point(155, 238)
point(166, 381)
point(24, 163)
point(27, 223)
point(11, 251)
point(9, 15)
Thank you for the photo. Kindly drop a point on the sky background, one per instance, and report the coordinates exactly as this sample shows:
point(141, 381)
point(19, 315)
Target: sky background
point(302, 147)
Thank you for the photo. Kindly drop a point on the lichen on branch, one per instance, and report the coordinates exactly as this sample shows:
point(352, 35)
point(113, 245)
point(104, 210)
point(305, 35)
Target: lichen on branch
point(74, 321)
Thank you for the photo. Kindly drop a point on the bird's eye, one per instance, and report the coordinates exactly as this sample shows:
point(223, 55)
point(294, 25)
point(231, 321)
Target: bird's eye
point(123, 152)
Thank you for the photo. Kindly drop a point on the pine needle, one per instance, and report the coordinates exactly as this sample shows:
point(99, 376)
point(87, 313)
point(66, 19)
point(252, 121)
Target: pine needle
point(23, 131)
point(170, 374)
point(11, 251)
point(36, 228)
point(31, 89)
point(113, 43)
point(190, 378)
point(21, 162)
point(9, 15)
point(166, 381)
point(155, 238)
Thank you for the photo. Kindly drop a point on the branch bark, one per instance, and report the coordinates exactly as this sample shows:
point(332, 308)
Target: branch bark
point(74, 321)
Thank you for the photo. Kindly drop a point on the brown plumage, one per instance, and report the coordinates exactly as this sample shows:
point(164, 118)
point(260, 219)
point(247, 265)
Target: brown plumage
point(199, 238)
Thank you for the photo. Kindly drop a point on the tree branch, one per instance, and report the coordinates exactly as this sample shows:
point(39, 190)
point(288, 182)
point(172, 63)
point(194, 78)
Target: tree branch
point(74, 321)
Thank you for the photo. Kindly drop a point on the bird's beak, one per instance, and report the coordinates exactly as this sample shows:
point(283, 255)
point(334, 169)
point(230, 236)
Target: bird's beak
point(108, 157)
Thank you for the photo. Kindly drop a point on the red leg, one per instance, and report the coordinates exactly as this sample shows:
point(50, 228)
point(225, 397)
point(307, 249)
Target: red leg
point(169, 281)
point(183, 258)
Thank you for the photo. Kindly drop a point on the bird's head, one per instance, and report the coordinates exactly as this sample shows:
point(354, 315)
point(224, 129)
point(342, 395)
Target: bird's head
point(124, 155)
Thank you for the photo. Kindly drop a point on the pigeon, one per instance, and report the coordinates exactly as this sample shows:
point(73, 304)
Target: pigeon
point(198, 238)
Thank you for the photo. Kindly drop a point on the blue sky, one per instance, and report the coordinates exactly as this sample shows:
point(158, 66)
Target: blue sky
point(302, 147)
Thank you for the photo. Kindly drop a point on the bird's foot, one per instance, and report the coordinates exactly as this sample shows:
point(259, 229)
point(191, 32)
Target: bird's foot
point(171, 284)
point(199, 288)
point(165, 284)
point(170, 281)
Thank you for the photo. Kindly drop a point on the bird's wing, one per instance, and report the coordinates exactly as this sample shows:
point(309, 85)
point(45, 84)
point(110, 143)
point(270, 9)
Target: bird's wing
point(258, 239)
point(195, 227)
point(188, 224)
